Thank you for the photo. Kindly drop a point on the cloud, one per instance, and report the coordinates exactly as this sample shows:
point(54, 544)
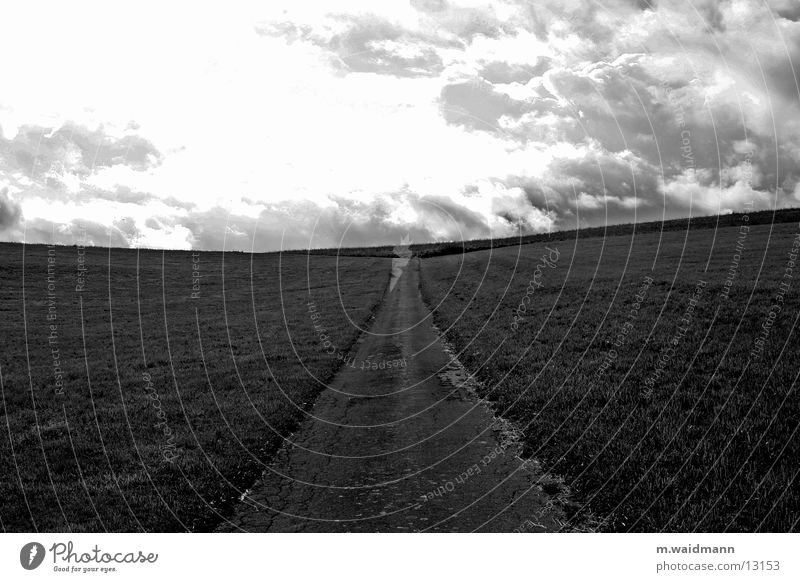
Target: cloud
point(87, 232)
point(783, 69)
point(367, 44)
point(344, 223)
point(75, 149)
point(477, 105)
point(10, 211)
point(467, 23)
point(358, 122)
point(788, 9)
point(656, 138)
point(712, 14)
point(503, 72)
point(434, 6)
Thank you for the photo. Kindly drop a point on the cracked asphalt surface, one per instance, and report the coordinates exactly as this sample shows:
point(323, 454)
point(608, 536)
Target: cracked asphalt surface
point(401, 449)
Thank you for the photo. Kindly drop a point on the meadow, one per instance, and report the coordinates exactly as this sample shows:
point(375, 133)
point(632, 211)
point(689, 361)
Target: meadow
point(656, 372)
point(457, 247)
point(654, 367)
point(146, 391)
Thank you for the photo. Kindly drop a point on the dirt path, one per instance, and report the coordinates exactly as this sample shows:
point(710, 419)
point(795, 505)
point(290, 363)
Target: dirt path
point(399, 449)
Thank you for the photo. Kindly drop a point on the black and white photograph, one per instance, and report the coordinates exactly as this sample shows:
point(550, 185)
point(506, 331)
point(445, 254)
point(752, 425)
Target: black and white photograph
point(488, 267)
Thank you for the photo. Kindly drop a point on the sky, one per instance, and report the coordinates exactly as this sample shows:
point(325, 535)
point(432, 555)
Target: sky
point(269, 125)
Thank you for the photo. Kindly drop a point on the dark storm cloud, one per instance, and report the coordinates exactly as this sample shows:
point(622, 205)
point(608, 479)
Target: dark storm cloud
point(570, 206)
point(712, 14)
point(639, 130)
point(597, 186)
point(477, 105)
point(607, 175)
point(443, 209)
point(788, 9)
point(348, 223)
point(10, 211)
point(783, 73)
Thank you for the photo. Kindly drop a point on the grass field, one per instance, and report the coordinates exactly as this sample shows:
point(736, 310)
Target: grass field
point(654, 368)
point(436, 249)
point(665, 403)
point(145, 408)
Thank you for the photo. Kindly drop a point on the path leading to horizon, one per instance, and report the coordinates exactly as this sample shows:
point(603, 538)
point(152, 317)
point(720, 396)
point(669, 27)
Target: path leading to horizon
point(400, 449)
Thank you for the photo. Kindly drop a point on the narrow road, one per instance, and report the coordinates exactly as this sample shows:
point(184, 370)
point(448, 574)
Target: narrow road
point(400, 449)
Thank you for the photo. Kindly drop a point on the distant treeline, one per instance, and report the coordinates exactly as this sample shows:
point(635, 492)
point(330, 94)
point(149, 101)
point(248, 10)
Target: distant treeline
point(454, 247)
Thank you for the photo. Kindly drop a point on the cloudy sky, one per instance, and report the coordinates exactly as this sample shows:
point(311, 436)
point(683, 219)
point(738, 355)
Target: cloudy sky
point(355, 122)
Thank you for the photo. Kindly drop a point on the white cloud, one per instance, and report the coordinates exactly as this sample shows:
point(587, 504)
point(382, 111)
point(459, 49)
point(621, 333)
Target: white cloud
point(333, 106)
